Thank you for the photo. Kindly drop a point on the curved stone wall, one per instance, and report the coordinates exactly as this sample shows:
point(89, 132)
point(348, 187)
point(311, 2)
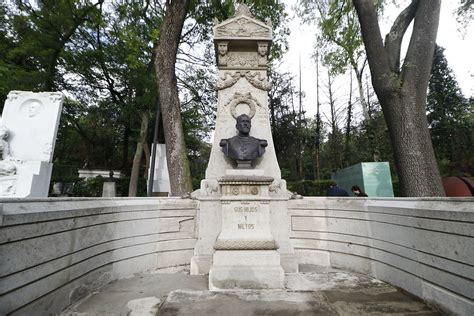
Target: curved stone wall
point(55, 251)
point(425, 246)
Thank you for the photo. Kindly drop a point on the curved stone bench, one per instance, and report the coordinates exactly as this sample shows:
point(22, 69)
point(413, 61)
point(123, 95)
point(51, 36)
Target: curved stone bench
point(424, 246)
point(56, 251)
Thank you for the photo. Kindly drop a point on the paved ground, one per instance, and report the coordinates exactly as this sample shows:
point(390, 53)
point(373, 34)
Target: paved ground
point(313, 291)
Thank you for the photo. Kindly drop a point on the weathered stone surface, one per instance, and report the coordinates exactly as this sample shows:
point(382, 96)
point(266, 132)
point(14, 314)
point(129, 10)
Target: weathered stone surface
point(424, 246)
point(315, 292)
point(56, 250)
point(109, 189)
point(147, 306)
point(32, 121)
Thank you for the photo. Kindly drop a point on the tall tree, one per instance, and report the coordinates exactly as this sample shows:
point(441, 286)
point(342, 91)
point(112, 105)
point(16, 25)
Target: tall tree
point(451, 118)
point(401, 90)
point(165, 61)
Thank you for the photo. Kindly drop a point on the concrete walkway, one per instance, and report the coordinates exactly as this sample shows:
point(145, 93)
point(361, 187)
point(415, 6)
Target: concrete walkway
point(313, 291)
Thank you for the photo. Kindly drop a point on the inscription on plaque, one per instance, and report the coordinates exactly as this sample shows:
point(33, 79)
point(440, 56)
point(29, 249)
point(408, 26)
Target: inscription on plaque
point(246, 226)
point(245, 209)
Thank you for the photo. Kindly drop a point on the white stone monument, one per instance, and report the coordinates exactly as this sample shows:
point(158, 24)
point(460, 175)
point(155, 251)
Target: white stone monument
point(29, 126)
point(243, 224)
point(161, 178)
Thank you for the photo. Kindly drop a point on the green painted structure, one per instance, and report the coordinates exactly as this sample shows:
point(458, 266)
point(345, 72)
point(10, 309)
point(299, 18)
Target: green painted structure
point(372, 177)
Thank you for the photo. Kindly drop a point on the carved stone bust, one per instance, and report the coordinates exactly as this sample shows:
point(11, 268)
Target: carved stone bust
point(243, 148)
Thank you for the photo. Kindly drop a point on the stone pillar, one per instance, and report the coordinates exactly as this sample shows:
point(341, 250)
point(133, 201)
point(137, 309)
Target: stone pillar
point(242, 44)
point(161, 178)
point(28, 134)
point(109, 189)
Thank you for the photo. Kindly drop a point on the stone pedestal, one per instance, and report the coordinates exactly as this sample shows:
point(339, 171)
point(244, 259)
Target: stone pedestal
point(246, 269)
point(109, 189)
point(246, 253)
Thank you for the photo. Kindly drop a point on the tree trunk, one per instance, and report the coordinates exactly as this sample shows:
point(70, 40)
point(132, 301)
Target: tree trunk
point(132, 188)
point(146, 150)
point(347, 140)
point(166, 50)
point(363, 101)
point(402, 92)
point(126, 141)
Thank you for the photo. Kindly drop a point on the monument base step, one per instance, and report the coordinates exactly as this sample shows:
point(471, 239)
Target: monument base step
point(246, 277)
point(246, 269)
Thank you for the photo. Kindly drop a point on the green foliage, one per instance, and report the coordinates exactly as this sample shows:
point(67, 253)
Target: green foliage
point(92, 187)
point(309, 187)
point(340, 42)
point(451, 119)
point(465, 13)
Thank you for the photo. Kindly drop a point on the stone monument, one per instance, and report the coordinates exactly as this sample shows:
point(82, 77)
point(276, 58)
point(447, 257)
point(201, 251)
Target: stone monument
point(161, 178)
point(242, 223)
point(109, 187)
point(28, 134)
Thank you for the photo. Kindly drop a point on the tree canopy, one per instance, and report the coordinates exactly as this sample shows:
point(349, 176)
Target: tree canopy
point(103, 56)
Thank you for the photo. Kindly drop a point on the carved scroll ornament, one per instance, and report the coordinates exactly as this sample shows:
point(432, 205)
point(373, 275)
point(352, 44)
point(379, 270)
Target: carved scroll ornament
point(228, 79)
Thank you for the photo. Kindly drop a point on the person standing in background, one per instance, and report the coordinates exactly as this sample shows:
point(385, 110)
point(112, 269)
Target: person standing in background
point(358, 192)
point(334, 190)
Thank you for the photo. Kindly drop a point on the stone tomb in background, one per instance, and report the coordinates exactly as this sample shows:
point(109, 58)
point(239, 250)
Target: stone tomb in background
point(29, 126)
point(242, 223)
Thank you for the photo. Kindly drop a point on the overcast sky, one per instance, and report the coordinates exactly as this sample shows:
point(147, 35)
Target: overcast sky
point(459, 51)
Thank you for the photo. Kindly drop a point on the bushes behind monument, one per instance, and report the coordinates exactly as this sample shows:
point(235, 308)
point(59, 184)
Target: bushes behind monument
point(319, 188)
point(92, 187)
point(309, 187)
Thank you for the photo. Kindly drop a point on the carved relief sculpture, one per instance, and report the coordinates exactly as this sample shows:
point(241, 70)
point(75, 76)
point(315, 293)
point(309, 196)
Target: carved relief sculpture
point(7, 167)
point(242, 27)
point(229, 78)
point(262, 53)
point(222, 50)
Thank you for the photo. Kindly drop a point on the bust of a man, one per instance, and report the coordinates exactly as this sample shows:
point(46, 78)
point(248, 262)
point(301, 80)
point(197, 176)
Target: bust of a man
point(243, 148)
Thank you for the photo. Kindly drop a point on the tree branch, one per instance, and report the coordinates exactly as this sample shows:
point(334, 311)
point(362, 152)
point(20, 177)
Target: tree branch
point(377, 56)
point(393, 40)
point(417, 64)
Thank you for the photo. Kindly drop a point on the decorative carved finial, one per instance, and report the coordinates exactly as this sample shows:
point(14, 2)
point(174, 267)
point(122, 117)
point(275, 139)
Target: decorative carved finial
point(268, 21)
point(243, 9)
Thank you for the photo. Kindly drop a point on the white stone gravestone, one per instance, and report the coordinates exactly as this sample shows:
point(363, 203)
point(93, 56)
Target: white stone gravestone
point(30, 121)
point(243, 223)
